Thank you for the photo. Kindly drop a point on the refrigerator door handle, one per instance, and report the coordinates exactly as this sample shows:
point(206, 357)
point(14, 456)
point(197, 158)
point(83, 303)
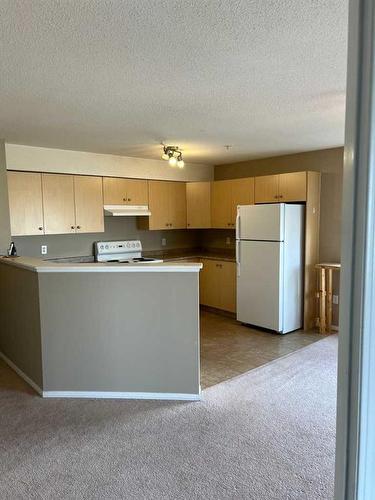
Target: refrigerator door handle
point(238, 224)
point(238, 257)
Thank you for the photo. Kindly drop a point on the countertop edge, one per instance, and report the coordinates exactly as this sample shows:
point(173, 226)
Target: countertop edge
point(102, 268)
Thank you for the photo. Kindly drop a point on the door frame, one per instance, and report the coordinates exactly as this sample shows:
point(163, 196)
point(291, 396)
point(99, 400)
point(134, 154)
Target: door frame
point(355, 446)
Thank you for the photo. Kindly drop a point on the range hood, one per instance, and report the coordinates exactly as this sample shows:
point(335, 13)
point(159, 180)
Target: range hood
point(126, 210)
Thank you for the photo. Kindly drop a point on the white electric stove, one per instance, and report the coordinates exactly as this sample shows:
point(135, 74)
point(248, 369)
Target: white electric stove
point(124, 252)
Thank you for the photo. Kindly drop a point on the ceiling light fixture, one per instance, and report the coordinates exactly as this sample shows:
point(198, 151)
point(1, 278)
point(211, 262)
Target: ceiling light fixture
point(174, 156)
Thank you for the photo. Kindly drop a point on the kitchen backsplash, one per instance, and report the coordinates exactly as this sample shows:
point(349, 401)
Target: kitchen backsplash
point(116, 228)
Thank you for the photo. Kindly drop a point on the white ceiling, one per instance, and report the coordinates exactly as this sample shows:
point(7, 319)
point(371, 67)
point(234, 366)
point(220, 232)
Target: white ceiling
point(119, 76)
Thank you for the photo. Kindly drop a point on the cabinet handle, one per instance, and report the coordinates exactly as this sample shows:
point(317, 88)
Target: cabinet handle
point(281, 196)
point(276, 197)
point(124, 199)
point(129, 199)
point(78, 227)
point(40, 228)
point(167, 224)
point(188, 224)
point(71, 227)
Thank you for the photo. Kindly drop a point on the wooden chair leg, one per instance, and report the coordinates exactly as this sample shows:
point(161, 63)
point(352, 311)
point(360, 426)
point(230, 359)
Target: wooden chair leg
point(329, 300)
point(322, 305)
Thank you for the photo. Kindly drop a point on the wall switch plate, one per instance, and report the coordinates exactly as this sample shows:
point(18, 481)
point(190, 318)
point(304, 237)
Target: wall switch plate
point(163, 242)
point(335, 299)
point(227, 240)
point(43, 249)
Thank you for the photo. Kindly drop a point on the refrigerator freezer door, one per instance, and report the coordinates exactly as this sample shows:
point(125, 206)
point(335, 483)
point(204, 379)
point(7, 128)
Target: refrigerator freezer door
point(260, 284)
point(260, 222)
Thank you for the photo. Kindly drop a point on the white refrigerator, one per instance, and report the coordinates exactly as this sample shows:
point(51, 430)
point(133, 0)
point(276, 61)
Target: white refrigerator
point(269, 256)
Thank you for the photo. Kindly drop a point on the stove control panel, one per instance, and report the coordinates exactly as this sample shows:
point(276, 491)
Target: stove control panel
point(117, 247)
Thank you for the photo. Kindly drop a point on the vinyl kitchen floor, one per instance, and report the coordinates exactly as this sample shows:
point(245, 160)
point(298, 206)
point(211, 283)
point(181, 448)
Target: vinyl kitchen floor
point(229, 349)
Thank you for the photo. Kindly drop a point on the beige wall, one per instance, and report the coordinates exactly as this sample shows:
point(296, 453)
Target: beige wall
point(116, 228)
point(37, 159)
point(330, 163)
point(4, 206)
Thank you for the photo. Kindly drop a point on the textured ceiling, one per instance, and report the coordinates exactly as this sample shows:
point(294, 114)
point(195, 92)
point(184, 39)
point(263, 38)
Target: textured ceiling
point(119, 76)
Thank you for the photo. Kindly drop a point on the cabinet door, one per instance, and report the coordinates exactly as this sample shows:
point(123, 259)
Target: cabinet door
point(209, 283)
point(228, 286)
point(137, 192)
point(58, 203)
point(267, 189)
point(114, 191)
point(198, 202)
point(88, 194)
point(177, 208)
point(25, 203)
point(159, 204)
point(221, 200)
point(242, 193)
point(292, 187)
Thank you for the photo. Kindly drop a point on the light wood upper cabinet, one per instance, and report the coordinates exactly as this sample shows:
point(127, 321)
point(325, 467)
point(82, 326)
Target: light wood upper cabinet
point(114, 191)
point(25, 203)
point(198, 204)
point(220, 204)
point(226, 195)
point(58, 203)
point(167, 203)
point(89, 214)
point(218, 284)
point(267, 189)
point(118, 191)
point(292, 187)
point(281, 188)
point(177, 208)
point(55, 204)
point(159, 203)
point(242, 193)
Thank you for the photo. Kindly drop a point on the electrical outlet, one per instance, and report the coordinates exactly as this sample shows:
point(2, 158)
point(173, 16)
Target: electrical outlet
point(335, 299)
point(163, 242)
point(227, 240)
point(43, 249)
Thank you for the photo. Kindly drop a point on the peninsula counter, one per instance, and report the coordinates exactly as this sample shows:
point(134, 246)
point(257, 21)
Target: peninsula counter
point(102, 330)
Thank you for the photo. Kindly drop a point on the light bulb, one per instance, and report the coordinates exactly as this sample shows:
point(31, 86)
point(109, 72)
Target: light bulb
point(180, 163)
point(172, 161)
point(165, 156)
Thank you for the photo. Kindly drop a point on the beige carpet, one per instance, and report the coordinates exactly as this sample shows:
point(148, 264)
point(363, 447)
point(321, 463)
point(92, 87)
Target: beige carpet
point(267, 434)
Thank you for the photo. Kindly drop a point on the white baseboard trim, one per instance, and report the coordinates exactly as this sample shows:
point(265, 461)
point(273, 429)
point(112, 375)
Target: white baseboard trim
point(122, 395)
point(100, 394)
point(21, 374)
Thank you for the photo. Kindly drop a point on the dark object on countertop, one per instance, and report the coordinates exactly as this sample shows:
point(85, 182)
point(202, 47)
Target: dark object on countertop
point(12, 251)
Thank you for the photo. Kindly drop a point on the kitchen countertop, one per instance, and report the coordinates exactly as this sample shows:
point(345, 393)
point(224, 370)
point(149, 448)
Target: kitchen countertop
point(45, 266)
point(179, 254)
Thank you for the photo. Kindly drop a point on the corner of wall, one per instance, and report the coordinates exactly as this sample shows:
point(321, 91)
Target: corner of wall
point(4, 202)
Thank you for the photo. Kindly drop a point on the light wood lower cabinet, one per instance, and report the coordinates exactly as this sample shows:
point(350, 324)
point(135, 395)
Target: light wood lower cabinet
point(198, 205)
point(25, 203)
point(167, 203)
point(218, 284)
point(118, 191)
